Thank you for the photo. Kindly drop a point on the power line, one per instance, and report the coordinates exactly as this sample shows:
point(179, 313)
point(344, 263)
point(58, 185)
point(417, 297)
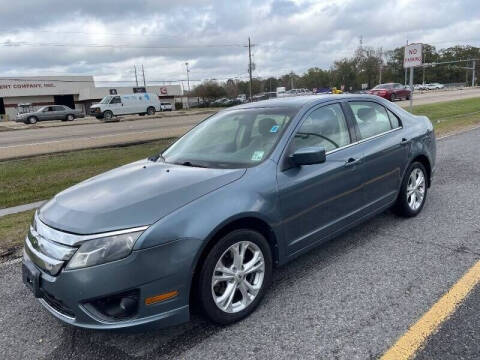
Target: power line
point(122, 46)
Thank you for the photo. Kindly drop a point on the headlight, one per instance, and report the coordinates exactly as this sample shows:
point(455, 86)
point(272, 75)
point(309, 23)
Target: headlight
point(103, 250)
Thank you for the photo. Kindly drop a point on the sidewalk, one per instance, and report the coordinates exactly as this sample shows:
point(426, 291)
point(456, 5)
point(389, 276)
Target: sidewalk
point(21, 208)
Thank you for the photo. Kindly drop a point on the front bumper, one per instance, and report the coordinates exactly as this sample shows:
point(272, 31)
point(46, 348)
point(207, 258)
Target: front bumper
point(160, 269)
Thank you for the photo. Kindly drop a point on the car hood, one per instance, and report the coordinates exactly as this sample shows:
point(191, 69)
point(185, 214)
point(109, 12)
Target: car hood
point(133, 195)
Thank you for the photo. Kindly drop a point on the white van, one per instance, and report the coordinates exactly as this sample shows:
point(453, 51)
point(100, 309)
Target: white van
point(113, 105)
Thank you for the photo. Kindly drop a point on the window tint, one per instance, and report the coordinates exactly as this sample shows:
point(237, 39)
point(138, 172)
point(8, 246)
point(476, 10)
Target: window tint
point(393, 119)
point(325, 127)
point(372, 118)
point(58, 108)
point(116, 100)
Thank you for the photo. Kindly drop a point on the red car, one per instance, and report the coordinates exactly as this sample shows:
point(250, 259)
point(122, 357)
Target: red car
point(391, 91)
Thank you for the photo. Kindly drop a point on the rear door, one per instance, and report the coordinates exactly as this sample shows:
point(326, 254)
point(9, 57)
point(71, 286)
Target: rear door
point(60, 112)
point(385, 150)
point(318, 200)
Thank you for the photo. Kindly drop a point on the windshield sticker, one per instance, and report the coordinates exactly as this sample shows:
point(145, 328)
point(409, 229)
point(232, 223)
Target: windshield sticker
point(257, 155)
point(274, 128)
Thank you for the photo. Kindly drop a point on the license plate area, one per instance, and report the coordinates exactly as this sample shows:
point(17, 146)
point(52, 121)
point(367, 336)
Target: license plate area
point(32, 278)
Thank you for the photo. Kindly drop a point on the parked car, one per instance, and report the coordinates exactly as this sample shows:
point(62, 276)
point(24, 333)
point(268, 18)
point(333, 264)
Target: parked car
point(166, 106)
point(51, 112)
point(391, 91)
point(434, 86)
point(207, 220)
point(113, 105)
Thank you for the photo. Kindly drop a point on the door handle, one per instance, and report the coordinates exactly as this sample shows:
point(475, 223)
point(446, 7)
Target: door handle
point(352, 161)
point(404, 141)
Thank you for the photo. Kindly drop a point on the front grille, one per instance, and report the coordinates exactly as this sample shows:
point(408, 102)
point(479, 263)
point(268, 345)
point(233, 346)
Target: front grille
point(58, 305)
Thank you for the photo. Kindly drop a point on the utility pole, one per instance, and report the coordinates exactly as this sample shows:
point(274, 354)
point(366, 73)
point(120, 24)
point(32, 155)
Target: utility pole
point(188, 83)
point(136, 78)
point(250, 67)
point(144, 81)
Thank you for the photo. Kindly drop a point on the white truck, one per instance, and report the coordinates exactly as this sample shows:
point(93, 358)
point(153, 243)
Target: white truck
point(114, 105)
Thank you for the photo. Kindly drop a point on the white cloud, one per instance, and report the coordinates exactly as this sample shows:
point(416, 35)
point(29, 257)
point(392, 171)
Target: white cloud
point(288, 35)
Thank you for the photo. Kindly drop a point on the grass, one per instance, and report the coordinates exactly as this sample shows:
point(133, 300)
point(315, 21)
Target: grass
point(39, 178)
point(451, 116)
point(13, 229)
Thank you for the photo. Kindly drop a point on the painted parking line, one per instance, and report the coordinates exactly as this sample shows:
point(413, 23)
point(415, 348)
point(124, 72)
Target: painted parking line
point(415, 337)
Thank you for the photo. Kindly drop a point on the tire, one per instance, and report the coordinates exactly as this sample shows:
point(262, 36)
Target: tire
point(392, 97)
point(70, 117)
point(108, 115)
point(234, 308)
point(405, 206)
point(151, 110)
point(32, 120)
point(407, 97)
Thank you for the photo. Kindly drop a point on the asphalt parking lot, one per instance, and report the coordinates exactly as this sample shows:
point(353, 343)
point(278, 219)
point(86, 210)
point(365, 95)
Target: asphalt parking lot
point(350, 298)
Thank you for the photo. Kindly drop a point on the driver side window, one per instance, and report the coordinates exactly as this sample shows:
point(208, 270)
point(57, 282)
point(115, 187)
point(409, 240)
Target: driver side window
point(325, 127)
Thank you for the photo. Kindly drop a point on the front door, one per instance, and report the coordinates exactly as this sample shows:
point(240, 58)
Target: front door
point(318, 200)
point(116, 106)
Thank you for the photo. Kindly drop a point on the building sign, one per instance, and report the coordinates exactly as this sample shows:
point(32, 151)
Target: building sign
point(113, 91)
point(412, 56)
point(163, 90)
point(26, 86)
point(139, 90)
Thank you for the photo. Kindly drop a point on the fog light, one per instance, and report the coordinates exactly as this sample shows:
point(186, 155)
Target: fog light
point(119, 306)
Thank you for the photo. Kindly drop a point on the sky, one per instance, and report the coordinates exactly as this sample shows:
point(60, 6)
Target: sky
point(107, 38)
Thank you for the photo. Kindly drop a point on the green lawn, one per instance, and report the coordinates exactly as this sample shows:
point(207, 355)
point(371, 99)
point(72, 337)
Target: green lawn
point(39, 178)
point(451, 116)
point(13, 229)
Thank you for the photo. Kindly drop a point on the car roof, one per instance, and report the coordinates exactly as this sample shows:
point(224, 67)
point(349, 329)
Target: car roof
point(300, 101)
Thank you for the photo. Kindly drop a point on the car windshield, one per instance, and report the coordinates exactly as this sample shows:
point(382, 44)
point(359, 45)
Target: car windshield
point(106, 100)
point(382, 86)
point(231, 139)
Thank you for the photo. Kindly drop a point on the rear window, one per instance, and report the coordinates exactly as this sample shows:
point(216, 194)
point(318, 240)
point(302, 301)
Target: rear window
point(383, 86)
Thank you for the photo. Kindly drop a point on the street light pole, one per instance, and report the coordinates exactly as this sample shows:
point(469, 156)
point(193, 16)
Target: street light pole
point(250, 68)
point(188, 83)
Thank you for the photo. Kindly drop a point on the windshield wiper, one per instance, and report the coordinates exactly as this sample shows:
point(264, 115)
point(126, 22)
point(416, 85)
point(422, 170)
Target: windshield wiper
point(189, 163)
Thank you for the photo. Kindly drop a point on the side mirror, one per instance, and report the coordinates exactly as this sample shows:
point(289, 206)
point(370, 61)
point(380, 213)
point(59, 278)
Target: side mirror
point(309, 156)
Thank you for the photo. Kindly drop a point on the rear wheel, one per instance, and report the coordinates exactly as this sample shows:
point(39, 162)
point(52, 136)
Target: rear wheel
point(392, 97)
point(234, 276)
point(108, 115)
point(407, 97)
point(413, 192)
point(151, 110)
point(70, 117)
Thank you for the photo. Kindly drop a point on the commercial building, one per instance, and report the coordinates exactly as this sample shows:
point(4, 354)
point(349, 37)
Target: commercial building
point(77, 92)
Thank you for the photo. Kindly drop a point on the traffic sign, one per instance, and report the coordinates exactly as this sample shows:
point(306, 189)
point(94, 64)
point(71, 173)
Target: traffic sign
point(413, 55)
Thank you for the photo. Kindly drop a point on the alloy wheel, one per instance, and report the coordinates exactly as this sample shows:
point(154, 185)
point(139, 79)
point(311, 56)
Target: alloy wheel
point(416, 189)
point(238, 277)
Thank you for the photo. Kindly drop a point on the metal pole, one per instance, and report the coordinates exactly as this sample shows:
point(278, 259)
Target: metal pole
point(411, 88)
point(188, 83)
point(144, 81)
point(250, 67)
point(473, 73)
point(381, 66)
point(136, 79)
point(406, 71)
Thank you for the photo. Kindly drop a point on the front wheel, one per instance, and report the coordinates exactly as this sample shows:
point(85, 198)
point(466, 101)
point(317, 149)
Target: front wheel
point(413, 191)
point(32, 120)
point(234, 276)
point(392, 97)
point(108, 115)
